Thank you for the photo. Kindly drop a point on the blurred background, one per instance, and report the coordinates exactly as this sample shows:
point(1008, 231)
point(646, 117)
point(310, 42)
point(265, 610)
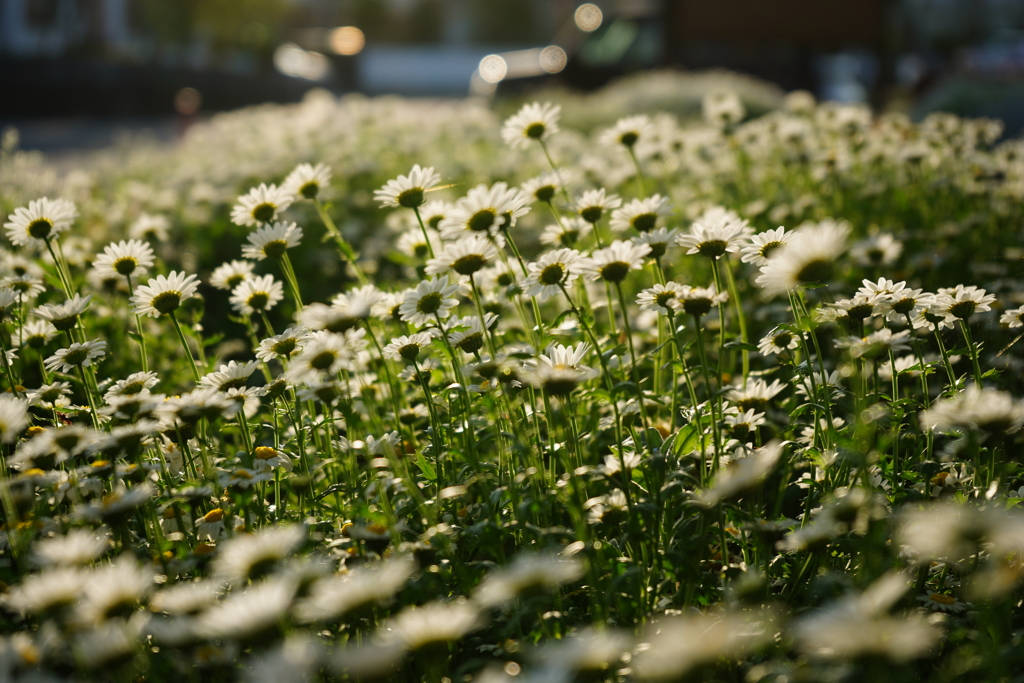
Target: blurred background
point(75, 74)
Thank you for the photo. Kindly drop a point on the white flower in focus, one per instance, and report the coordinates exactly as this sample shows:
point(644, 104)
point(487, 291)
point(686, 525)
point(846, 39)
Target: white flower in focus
point(962, 301)
point(164, 295)
point(755, 395)
point(698, 301)
point(227, 276)
point(307, 180)
point(37, 333)
point(134, 384)
point(717, 232)
point(664, 299)
point(593, 204)
point(76, 355)
point(323, 355)
point(465, 256)
point(779, 340)
point(552, 272)
point(272, 241)
point(408, 347)
point(261, 205)
point(43, 220)
point(658, 240)
point(534, 122)
point(408, 190)
point(124, 259)
point(432, 299)
point(485, 210)
point(63, 316)
point(560, 369)
point(260, 293)
point(614, 262)
point(1013, 317)
point(640, 214)
point(472, 339)
point(234, 375)
point(283, 345)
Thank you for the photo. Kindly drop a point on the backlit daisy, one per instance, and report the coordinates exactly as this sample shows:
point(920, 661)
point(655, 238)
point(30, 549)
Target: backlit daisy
point(664, 299)
point(307, 180)
point(408, 347)
point(614, 262)
point(779, 340)
point(627, 131)
point(567, 233)
point(534, 122)
point(63, 316)
point(271, 241)
point(259, 293)
point(149, 227)
point(408, 190)
point(430, 300)
point(465, 256)
point(1013, 317)
point(963, 301)
point(76, 355)
point(714, 234)
point(763, 245)
point(261, 205)
point(43, 220)
point(698, 301)
point(163, 295)
point(593, 204)
point(544, 187)
point(658, 240)
point(552, 272)
point(124, 258)
point(808, 257)
point(228, 275)
point(640, 214)
point(485, 210)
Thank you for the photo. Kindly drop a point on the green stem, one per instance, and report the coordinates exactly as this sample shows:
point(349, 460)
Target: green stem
point(184, 345)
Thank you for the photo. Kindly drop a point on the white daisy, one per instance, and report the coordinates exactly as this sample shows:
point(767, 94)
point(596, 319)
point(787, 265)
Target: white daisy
point(658, 240)
point(261, 205)
point(714, 234)
point(779, 340)
point(808, 256)
point(552, 272)
point(229, 275)
point(149, 227)
point(560, 370)
point(27, 286)
point(283, 345)
point(124, 259)
point(135, 383)
point(698, 301)
point(485, 209)
point(163, 295)
point(469, 338)
point(763, 245)
point(593, 204)
point(664, 299)
point(544, 187)
point(413, 243)
point(627, 131)
point(756, 395)
point(408, 347)
point(963, 301)
point(43, 220)
point(1014, 317)
point(271, 241)
point(640, 214)
point(13, 417)
point(534, 121)
point(430, 300)
point(234, 375)
point(307, 180)
point(408, 190)
point(259, 293)
point(465, 256)
point(323, 355)
point(881, 249)
point(37, 333)
point(76, 355)
point(614, 262)
point(63, 316)
point(567, 233)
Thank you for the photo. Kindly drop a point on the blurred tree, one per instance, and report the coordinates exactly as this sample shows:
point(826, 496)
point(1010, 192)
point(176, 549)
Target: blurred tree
point(504, 21)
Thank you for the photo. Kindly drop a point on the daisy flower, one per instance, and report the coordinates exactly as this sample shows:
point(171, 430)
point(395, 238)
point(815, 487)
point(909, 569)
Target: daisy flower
point(8, 298)
point(552, 272)
point(228, 275)
point(762, 245)
point(430, 300)
point(658, 240)
point(323, 354)
point(560, 370)
point(76, 355)
point(14, 417)
point(388, 307)
point(63, 316)
point(252, 556)
point(408, 347)
point(963, 301)
point(124, 258)
point(465, 256)
point(135, 383)
point(779, 340)
point(37, 333)
point(471, 339)
point(543, 188)
point(485, 209)
point(876, 250)
point(933, 316)
point(260, 293)
point(261, 205)
point(937, 602)
point(28, 286)
point(698, 301)
point(660, 298)
point(640, 214)
point(413, 242)
point(1013, 317)
point(614, 262)
point(307, 180)
point(593, 204)
point(234, 375)
point(744, 423)
point(42, 221)
point(149, 227)
point(722, 109)
point(809, 256)
point(534, 122)
point(164, 295)
point(756, 395)
point(408, 190)
point(875, 344)
point(271, 241)
point(986, 410)
point(571, 230)
point(627, 131)
point(714, 234)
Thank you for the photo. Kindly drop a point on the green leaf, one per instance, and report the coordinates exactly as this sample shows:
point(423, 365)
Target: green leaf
point(426, 467)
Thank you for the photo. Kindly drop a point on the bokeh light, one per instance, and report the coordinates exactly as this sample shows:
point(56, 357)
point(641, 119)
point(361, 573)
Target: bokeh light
point(187, 101)
point(493, 68)
point(553, 59)
point(292, 60)
point(589, 17)
point(347, 40)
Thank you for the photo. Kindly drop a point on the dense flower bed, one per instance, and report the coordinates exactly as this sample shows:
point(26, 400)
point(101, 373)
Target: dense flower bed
point(722, 400)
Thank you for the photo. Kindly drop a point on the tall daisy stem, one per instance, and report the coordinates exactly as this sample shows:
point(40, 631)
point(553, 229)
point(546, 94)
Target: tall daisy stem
point(184, 345)
point(140, 332)
point(343, 246)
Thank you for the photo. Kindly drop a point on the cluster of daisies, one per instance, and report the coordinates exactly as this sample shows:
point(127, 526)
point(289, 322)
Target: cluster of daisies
point(605, 419)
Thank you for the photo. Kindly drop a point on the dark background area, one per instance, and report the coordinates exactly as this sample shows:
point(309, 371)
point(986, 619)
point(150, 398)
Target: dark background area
point(74, 72)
